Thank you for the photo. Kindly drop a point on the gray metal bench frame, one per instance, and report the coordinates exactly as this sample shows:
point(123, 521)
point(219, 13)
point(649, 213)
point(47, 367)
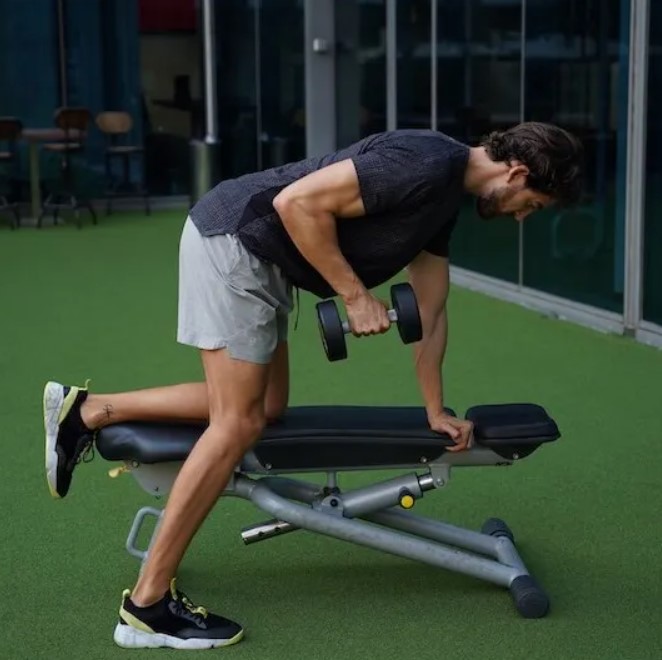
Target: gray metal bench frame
point(370, 516)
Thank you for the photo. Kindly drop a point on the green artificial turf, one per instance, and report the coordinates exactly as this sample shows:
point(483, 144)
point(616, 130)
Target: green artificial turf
point(101, 303)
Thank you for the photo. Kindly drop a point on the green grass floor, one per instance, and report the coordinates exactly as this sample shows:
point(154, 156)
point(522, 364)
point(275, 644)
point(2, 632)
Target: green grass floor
point(101, 303)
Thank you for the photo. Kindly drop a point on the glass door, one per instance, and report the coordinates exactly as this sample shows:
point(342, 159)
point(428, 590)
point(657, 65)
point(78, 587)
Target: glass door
point(260, 69)
point(360, 69)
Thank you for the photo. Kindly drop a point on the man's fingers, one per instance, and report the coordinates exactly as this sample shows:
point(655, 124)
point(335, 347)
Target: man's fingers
point(451, 430)
point(465, 434)
point(470, 439)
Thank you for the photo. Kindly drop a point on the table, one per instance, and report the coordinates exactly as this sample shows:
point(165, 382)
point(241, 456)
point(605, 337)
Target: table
point(34, 137)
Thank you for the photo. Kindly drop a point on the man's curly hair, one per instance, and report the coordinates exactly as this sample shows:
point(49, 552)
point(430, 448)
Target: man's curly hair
point(554, 158)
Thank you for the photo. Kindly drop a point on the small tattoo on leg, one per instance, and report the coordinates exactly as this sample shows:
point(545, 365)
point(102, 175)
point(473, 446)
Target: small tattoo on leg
point(109, 410)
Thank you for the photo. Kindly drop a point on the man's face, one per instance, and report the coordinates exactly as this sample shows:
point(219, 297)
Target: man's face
point(511, 197)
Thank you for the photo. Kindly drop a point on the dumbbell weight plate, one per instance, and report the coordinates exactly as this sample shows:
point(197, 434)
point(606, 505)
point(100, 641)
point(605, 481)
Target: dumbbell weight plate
point(406, 307)
point(331, 330)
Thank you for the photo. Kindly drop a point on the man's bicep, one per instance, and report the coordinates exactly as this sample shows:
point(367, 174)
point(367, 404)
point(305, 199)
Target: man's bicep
point(332, 189)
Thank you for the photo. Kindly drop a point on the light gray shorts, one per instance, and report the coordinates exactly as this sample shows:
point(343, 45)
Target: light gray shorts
point(230, 299)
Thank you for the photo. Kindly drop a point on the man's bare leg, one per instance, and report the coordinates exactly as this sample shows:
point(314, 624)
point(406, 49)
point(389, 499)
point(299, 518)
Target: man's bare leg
point(72, 413)
point(236, 394)
point(156, 613)
point(187, 402)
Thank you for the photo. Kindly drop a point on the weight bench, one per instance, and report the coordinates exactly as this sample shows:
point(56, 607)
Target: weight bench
point(332, 439)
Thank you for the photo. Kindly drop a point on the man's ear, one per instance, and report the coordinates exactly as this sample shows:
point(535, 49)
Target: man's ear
point(517, 169)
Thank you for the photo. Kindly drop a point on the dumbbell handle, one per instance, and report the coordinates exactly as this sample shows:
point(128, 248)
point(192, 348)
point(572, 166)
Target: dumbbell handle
point(392, 315)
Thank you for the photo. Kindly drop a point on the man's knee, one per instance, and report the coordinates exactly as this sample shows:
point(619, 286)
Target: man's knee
point(275, 408)
point(237, 433)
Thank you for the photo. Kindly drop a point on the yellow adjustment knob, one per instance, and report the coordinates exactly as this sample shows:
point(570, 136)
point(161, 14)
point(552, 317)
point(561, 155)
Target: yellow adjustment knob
point(115, 472)
point(407, 501)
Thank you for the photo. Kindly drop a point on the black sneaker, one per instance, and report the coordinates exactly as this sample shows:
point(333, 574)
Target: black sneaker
point(67, 438)
point(173, 622)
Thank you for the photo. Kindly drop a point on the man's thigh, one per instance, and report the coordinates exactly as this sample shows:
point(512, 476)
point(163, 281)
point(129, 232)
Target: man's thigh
point(228, 299)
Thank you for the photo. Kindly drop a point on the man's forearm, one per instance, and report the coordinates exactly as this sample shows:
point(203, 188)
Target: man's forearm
point(429, 355)
point(315, 236)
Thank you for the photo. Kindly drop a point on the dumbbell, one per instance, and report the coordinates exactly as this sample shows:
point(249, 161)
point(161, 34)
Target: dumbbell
point(404, 313)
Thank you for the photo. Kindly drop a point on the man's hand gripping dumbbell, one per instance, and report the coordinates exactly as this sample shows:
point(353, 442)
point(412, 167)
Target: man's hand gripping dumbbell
point(368, 316)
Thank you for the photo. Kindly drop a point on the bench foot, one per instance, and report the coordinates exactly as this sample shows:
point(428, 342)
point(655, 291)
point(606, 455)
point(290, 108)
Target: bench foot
point(497, 527)
point(529, 598)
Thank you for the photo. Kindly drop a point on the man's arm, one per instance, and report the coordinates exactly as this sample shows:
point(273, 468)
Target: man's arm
point(308, 209)
point(428, 275)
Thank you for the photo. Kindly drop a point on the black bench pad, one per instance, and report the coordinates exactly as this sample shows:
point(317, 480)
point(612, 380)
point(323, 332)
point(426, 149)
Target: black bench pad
point(313, 437)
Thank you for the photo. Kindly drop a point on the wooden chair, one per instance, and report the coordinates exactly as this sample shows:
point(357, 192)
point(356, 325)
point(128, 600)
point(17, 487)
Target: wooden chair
point(74, 123)
point(116, 126)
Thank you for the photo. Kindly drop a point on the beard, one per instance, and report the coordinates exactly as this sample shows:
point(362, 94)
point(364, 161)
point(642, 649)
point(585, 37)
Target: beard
point(487, 206)
point(492, 205)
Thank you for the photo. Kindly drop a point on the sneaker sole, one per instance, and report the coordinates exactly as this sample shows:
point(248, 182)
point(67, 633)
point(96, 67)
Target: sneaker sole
point(53, 402)
point(129, 637)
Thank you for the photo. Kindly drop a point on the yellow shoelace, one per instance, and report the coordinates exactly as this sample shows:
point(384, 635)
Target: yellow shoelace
point(178, 595)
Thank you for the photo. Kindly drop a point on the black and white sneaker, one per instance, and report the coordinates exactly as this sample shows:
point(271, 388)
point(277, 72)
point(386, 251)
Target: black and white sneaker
point(174, 622)
point(68, 440)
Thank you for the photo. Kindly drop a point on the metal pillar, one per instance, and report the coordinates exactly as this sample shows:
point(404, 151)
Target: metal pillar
point(320, 76)
point(636, 164)
point(205, 154)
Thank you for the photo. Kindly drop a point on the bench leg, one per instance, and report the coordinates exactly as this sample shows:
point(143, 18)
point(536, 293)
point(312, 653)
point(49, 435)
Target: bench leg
point(134, 532)
point(429, 541)
point(372, 536)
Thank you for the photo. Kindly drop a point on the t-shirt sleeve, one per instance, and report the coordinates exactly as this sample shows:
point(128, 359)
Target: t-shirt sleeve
point(439, 243)
point(393, 172)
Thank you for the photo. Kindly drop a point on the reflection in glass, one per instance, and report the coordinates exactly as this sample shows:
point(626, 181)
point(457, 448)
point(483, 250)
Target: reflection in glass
point(576, 76)
point(281, 118)
point(360, 69)
point(170, 90)
point(413, 69)
point(478, 90)
point(260, 82)
point(653, 217)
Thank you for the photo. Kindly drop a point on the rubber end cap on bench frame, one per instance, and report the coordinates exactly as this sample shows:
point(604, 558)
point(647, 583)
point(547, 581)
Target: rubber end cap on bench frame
point(530, 600)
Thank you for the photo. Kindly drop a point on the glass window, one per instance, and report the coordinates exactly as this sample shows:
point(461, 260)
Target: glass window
point(478, 90)
point(260, 84)
point(576, 76)
point(360, 29)
point(91, 59)
point(170, 85)
point(237, 90)
point(414, 63)
point(653, 218)
point(281, 118)
point(29, 28)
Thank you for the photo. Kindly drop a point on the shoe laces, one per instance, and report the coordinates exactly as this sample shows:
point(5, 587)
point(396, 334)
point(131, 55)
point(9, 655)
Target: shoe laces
point(182, 598)
point(86, 454)
point(193, 609)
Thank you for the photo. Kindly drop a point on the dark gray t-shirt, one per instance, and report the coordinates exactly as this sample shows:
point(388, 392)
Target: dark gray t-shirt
point(411, 184)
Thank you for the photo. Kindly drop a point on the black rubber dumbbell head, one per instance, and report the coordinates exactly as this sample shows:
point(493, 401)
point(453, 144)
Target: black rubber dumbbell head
point(331, 330)
point(406, 307)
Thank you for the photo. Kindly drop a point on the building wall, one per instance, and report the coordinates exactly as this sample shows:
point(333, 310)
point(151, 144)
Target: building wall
point(497, 62)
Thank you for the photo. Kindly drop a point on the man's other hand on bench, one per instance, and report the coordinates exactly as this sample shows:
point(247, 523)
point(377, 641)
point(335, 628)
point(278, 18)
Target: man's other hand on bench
point(459, 430)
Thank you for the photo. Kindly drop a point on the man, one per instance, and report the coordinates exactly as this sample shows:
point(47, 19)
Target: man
point(337, 225)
